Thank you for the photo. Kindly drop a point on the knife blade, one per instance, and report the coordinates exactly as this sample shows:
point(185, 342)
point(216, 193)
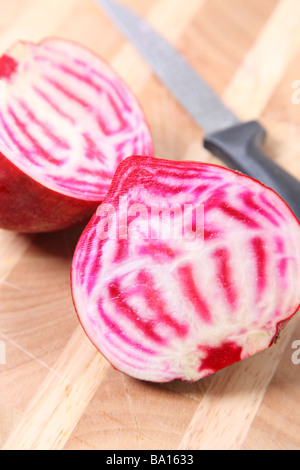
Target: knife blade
point(238, 144)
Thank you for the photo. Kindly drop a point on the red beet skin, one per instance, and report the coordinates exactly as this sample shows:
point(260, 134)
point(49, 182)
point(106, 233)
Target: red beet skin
point(66, 121)
point(185, 269)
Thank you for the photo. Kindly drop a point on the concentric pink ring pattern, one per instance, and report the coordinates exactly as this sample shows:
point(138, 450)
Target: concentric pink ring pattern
point(160, 308)
point(66, 118)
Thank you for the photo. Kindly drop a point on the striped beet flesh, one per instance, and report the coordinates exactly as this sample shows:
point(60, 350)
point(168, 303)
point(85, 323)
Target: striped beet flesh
point(66, 121)
point(185, 269)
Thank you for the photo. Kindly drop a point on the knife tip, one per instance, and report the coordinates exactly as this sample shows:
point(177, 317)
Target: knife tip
point(105, 3)
point(109, 5)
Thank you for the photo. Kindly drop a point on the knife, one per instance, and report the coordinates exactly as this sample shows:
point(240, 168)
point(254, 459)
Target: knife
point(238, 144)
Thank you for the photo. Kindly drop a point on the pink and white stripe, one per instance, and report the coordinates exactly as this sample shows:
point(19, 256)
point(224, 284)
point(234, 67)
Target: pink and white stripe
point(159, 310)
point(67, 119)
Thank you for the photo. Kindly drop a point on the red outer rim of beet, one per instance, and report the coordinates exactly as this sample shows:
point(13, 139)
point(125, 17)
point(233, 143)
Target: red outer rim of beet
point(114, 183)
point(61, 195)
point(95, 54)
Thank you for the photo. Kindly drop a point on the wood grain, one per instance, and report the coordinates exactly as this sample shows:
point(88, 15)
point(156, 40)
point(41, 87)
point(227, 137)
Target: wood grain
point(265, 64)
point(56, 391)
point(62, 398)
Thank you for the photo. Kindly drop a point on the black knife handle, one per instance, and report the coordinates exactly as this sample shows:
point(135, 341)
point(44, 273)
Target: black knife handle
point(240, 148)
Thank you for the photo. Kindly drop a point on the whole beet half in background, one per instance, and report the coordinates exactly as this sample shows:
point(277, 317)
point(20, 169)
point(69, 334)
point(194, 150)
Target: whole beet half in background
point(66, 122)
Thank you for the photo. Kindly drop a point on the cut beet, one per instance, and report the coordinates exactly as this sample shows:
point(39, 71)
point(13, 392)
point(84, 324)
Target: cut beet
point(66, 122)
point(185, 269)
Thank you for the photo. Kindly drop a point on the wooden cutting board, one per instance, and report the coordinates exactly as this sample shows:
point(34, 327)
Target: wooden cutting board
point(56, 391)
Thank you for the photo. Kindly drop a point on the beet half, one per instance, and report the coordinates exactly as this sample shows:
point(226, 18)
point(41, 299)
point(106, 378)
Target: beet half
point(185, 269)
point(66, 121)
